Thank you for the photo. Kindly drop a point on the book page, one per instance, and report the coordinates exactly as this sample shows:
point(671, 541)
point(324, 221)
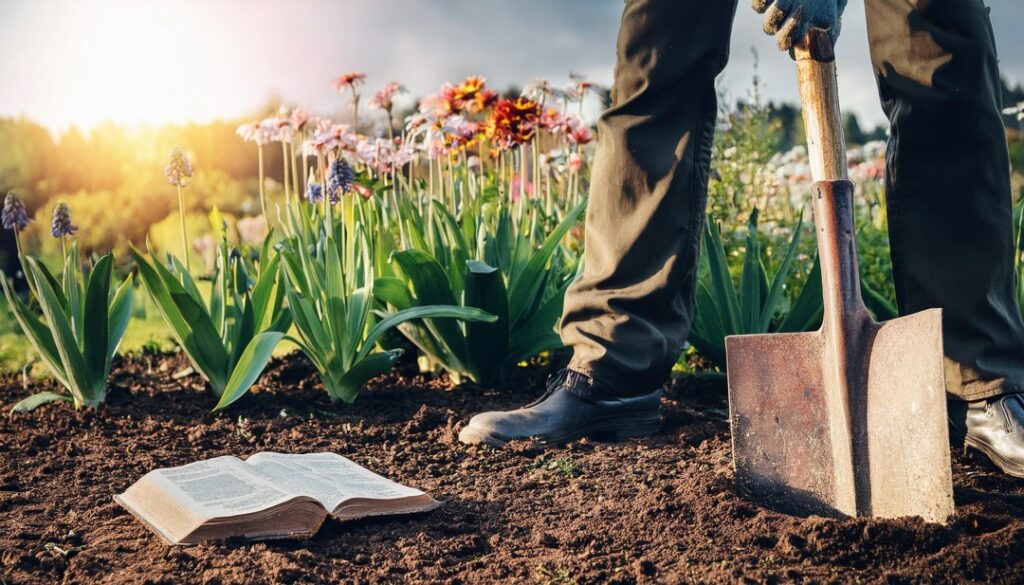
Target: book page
point(219, 487)
point(326, 477)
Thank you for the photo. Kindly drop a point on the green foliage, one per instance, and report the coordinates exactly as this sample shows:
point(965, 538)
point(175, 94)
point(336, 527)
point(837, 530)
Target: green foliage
point(82, 324)
point(747, 139)
point(331, 290)
point(759, 305)
point(229, 338)
point(516, 270)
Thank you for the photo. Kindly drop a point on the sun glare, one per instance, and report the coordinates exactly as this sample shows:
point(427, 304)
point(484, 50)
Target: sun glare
point(136, 63)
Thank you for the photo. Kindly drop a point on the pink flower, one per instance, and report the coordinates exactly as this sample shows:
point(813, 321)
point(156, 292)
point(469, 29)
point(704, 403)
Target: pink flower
point(515, 188)
point(384, 99)
point(260, 132)
point(285, 130)
point(578, 132)
point(324, 125)
point(348, 80)
point(575, 162)
point(581, 135)
point(553, 121)
point(362, 190)
point(300, 116)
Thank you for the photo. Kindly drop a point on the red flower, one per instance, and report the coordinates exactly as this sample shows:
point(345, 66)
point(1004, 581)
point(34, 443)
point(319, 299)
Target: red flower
point(513, 122)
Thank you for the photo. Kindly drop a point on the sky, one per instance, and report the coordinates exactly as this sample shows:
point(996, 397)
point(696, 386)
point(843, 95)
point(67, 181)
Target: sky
point(150, 62)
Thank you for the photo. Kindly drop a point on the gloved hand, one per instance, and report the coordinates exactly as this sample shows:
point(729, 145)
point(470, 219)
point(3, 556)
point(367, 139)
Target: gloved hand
point(789, 20)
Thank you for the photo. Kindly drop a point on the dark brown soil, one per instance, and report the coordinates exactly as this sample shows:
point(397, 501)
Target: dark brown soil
point(661, 509)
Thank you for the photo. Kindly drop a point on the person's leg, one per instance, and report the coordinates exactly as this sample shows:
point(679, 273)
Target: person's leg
point(626, 319)
point(628, 316)
point(948, 191)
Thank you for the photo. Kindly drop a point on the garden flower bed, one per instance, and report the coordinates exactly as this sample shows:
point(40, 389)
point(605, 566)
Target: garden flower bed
point(661, 509)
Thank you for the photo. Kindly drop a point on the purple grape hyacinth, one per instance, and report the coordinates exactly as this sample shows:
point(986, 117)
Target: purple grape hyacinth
point(179, 169)
point(14, 216)
point(339, 179)
point(61, 225)
point(314, 192)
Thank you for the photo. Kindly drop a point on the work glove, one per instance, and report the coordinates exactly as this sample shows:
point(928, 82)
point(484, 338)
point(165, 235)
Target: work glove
point(789, 20)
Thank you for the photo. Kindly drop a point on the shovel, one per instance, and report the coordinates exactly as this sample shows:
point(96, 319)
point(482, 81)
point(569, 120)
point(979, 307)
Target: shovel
point(849, 419)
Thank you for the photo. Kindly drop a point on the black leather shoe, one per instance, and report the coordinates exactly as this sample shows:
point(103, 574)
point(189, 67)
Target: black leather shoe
point(994, 427)
point(560, 416)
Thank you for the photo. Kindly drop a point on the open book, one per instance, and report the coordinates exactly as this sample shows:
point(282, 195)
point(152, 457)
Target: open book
point(269, 495)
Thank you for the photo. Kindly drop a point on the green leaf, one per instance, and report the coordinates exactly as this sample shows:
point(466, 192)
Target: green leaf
point(308, 323)
point(265, 291)
point(392, 291)
point(364, 370)
point(721, 282)
point(120, 316)
point(243, 333)
point(54, 284)
point(74, 308)
point(421, 312)
point(80, 382)
point(184, 278)
point(249, 367)
point(359, 311)
point(431, 287)
point(487, 343)
point(188, 321)
point(525, 287)
point(217, 224)
point(880, 307)
point(39, 399)
point(712, 350)
point(750, 280)
point(708, 332)
point(808, 307)
point(538, 333)
point(202, 342)
point(95, 340)
point(38, 334)
point(771, 305)
point(458, 249)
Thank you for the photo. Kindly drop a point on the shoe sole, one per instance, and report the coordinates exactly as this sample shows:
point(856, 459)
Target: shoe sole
point(969, 442)
point(617, 427)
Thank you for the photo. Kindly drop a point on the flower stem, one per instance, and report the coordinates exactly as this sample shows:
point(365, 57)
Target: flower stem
point(295, 175)
point(287, 195)
point(184, 237)
point(355, 109)
point(263, 196)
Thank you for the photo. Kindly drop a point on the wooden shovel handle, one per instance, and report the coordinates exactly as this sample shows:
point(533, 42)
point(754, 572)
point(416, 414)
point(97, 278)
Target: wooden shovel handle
point(832, 195)
point(819, 95)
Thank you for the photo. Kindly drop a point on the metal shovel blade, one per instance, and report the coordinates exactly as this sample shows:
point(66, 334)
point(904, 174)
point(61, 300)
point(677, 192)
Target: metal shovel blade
point(849, 419)
point(877, 446)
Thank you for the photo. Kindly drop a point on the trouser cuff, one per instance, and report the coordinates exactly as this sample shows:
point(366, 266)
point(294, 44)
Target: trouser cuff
point(590, 383)
point(966, 383)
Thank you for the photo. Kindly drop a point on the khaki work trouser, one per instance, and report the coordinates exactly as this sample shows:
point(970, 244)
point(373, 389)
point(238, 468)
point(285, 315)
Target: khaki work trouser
point(947, 187)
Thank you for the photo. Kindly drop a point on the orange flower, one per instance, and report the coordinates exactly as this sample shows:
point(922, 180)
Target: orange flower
point(513, 122)
point(469, 88)
point(483, 99)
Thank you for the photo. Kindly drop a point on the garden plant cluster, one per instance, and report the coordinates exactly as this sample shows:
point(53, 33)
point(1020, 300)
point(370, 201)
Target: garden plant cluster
point(456, 232)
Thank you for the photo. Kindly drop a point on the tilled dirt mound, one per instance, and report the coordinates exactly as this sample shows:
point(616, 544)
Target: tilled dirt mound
point(661, 509)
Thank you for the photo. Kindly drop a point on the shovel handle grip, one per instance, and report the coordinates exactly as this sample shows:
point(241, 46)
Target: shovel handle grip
point(819, 96)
